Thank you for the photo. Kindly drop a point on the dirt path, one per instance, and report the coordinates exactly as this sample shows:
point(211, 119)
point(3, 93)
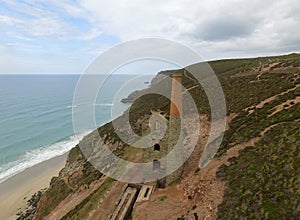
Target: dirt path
point(265, 70)
point(285, 105)
point(211, 169)
point(107, 204)
point(73, 200)
point(212, 188)
point(270, 99)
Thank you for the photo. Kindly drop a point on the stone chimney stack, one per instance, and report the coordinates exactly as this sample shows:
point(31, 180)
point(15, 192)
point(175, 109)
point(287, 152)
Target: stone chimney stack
point(175, 140)
point(176, 94)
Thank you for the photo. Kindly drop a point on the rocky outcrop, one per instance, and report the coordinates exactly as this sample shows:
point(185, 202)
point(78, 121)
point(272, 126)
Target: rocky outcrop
point(32, 204)
point(158, 78)
point(132, 96)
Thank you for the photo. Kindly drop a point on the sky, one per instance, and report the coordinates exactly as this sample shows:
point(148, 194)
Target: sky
point(64, 36)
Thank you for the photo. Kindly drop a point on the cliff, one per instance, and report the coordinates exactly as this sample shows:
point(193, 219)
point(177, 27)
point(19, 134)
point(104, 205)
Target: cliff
point(158, 78)
point(254, 175)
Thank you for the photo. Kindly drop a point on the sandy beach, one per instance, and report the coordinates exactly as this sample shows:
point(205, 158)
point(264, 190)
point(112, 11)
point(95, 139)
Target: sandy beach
point(25, 184)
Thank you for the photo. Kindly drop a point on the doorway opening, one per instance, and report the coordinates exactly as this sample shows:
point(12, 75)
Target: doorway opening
point(156, 165)
point(156, 147)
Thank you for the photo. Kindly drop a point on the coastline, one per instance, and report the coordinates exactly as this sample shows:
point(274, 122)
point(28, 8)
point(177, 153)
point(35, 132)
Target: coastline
point(15, 191)
point(19, 188)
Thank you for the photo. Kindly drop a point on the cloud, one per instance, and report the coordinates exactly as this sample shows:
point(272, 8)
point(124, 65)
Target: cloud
point(58, 20)
point(224, 28)
point(8, 21)
point(32, 22)
point(216, 29)
point(188, 21)
point(136, 18)
point(233, 26)
point(91, 34)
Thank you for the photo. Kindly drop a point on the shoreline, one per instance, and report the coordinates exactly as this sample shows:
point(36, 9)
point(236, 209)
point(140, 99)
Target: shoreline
point(16, 190)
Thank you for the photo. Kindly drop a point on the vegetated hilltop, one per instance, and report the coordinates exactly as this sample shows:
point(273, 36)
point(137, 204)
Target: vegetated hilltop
point(255, 174)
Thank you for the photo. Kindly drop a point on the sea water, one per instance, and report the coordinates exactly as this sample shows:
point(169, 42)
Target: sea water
point(36, 116)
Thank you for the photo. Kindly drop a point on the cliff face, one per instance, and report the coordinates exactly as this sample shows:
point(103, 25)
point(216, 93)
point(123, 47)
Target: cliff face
point(254, 174)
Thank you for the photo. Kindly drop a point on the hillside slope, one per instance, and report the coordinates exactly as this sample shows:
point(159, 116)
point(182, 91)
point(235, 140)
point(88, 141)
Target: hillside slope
point(254, 175)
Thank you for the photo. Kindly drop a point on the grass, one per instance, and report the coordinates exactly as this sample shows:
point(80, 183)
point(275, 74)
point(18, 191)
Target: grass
point(82, 210)
point(60, 189)
point(162, 198)
point(241, 90)
point(262, 181)
point(52, 197)
point(245, 126)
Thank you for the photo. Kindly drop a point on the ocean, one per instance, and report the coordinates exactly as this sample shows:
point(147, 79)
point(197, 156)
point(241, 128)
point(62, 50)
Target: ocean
point(36, 116)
